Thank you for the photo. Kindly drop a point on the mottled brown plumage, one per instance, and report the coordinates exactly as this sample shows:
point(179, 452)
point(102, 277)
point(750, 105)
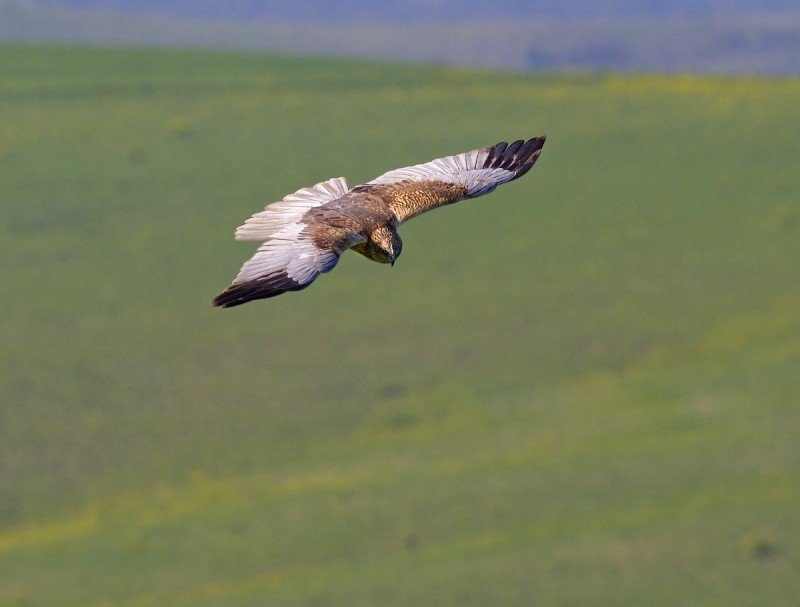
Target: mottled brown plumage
point(307, 231)
point(406, 199)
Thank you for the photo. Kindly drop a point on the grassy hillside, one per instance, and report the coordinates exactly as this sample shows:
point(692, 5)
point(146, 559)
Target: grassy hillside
point(580, 390)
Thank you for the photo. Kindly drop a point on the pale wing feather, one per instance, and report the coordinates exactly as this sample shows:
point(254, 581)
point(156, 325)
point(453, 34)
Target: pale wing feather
point(463, 169)
point(289, 252)
point(278, 215)
point(289, 261)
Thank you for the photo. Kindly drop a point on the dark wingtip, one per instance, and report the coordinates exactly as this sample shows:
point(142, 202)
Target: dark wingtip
point(263, 288)
point(517, 157)
point(229, 298)
point(221, 301)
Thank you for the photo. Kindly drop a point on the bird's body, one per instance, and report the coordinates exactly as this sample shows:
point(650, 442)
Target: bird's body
point(307, 231)
point(353, 218)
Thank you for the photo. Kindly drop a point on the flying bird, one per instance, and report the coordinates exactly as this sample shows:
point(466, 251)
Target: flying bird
point(306, 232)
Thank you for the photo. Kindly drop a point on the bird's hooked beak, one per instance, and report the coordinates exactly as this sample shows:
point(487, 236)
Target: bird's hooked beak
point(391, 261)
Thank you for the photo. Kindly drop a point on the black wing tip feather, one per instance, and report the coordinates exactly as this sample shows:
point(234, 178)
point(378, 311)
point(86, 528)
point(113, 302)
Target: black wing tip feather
point(270, 286)
point(517, 157)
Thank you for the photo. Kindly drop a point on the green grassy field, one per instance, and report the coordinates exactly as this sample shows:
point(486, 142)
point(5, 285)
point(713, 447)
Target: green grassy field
point(582, 390)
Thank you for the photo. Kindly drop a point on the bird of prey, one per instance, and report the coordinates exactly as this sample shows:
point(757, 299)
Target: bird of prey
point(306, 232)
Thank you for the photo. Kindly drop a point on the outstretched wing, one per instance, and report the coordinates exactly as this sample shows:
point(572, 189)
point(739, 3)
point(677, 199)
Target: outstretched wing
point(296, 251)
point(278, 215)
point(290, 261)
point(422, 187)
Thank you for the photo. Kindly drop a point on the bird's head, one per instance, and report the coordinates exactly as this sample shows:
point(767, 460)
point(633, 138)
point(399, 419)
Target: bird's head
point(388, 244)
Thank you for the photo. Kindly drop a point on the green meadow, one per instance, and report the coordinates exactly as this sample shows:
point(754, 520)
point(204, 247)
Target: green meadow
point(580, 390)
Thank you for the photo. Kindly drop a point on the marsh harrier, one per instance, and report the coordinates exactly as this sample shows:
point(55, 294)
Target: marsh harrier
point(307, 231)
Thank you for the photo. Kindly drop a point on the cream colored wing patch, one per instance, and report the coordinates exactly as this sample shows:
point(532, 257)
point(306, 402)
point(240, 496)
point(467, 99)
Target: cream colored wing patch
point(479, 171)
point(265, 224)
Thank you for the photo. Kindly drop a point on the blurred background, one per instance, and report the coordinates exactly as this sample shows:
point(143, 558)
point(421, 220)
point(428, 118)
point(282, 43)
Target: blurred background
point(719, 36)
point(582, 389)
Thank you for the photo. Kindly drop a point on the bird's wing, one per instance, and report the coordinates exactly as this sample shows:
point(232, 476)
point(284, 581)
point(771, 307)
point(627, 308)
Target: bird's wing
point(278, 215)
point(290, 261)
point(422, 187)
point(296, 250)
